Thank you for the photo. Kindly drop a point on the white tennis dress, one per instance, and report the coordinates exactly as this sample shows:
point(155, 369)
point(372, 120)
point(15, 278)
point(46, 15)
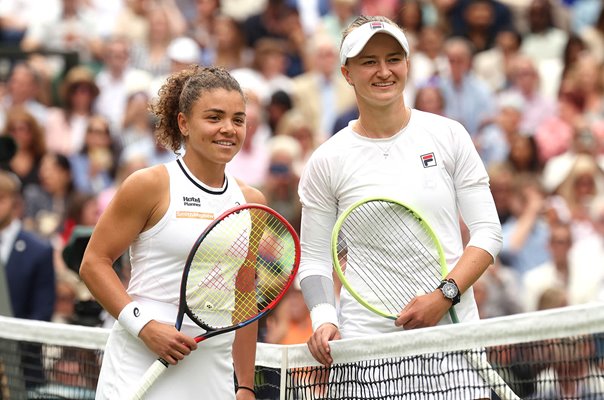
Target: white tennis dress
point(158, 256)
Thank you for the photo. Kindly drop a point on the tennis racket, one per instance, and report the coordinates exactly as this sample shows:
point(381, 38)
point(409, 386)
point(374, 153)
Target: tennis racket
point(236, 272)
point(385, 254)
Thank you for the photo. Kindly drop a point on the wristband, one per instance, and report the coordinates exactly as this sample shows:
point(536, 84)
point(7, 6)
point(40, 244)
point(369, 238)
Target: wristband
point(324, 313)
point(247, 388)
point(133, 318)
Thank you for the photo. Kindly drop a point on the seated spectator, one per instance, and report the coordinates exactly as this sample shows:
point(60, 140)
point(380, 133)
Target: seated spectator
point(94, 166)
point(28, 136)
point(66, 125)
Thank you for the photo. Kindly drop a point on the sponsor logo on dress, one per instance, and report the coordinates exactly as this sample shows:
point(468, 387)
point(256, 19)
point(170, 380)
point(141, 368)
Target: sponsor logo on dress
point(191, 201)
point(428, 160)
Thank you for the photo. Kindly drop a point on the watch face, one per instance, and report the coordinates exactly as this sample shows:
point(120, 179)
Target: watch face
point(450, 290)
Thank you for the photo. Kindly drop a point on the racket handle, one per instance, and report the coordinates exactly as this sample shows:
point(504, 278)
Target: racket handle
point(155, 370)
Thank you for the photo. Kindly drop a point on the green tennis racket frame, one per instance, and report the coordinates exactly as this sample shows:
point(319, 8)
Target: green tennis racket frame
point(336, 264)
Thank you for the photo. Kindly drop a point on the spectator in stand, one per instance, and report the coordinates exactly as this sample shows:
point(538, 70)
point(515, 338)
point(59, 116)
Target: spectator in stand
point(478, 17)
point(279, 20)
point(66, 125)
point(250, 164)
point(268, 72)
point(23, 89)
point(322, 93)
point(151, 55)
point(545, 41)
point(116, 79)
point(281, 183)
point(586, 78)
point(429, 98)
point(279, 104)
point(73, 29)
point(46, 205)
point(502, 188)
point(133, 21)
point(296, 125)
point(468, 99)
point(494, 65)
point(525, 81)
point(569, 127)
point(229, 50)
point(524, 155)
point(182, 52)
point(494, 141)
point(575, 180)
point(31, 146)
point(580, 281)
point(409, 14)
point(496, 292)
point(340, 14)
point(94, 166)
point(526, 231)
point(429, 63)
point(545, 44)
point(202, 28)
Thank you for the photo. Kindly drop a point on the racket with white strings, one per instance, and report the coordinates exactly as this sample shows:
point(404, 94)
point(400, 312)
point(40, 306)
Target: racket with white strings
point(236, 272)
point(385, 254)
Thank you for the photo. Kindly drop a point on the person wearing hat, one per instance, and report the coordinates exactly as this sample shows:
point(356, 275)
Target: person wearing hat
point(66, 125)
point(380, 155)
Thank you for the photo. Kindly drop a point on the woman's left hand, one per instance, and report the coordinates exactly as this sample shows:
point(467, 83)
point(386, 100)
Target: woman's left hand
point(423, 311)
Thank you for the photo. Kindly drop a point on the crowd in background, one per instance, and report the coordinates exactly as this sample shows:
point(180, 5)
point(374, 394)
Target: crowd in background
point(525, 78)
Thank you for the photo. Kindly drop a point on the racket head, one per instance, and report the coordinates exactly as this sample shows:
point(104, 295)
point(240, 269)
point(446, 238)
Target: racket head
point(385, 253)
point(239, 268)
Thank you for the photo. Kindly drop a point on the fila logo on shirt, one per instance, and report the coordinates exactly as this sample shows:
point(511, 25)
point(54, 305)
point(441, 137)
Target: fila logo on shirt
point(428, 160)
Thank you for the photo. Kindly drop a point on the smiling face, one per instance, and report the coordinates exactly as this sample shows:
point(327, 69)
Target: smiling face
point(379, 72)
point(214, 130)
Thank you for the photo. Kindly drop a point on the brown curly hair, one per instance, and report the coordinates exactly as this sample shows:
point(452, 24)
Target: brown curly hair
point(179, 93)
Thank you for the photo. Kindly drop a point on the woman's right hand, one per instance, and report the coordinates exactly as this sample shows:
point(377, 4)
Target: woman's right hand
point(318, 343)
point(166, 341)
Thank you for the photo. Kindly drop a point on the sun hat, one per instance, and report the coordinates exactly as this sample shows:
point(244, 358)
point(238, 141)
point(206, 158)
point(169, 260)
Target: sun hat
point(356, 40)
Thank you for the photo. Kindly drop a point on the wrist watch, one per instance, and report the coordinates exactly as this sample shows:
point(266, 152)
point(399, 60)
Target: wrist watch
point(450, 290)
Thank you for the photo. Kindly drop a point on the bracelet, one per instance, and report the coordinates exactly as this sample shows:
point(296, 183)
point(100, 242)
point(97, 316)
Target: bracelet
point(133, 318)
point(247, 388)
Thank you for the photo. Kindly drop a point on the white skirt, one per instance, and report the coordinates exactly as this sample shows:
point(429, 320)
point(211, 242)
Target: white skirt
point(207, 370)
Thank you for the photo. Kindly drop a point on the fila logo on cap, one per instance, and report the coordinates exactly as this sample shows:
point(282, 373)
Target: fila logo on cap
point(428, 160)
point(377, 25)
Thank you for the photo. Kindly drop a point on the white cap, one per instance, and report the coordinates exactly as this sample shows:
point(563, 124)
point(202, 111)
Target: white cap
point(356, 40)
point(184, 50)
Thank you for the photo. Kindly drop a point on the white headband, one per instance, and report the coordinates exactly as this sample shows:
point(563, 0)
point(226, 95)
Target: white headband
point(356, 40)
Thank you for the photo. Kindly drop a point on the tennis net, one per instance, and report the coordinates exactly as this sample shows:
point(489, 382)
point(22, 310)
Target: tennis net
point(552, 354)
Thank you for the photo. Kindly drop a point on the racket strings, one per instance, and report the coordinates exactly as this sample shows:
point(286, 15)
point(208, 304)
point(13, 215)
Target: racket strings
point(241, 266)
point(391, 252)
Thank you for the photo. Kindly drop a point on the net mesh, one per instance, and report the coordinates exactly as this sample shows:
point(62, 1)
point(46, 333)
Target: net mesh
point(553, 354)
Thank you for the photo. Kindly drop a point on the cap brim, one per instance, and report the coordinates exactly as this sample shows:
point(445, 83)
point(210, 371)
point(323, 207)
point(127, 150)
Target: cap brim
point(357, 39)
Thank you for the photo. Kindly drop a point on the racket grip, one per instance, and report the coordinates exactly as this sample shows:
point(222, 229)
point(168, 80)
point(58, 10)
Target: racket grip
point(153, 372)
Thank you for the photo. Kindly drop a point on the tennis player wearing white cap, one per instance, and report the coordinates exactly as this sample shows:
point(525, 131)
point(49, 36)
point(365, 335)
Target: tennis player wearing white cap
point(380, 154)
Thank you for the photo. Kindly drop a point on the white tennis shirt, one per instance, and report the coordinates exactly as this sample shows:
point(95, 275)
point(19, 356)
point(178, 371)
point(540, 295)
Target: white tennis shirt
point(431, 165)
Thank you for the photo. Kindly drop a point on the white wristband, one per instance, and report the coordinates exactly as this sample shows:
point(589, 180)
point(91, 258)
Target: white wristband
point(323, 313)
point(133, 318)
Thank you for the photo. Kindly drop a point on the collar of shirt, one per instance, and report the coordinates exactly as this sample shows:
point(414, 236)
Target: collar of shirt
point(7, 239)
